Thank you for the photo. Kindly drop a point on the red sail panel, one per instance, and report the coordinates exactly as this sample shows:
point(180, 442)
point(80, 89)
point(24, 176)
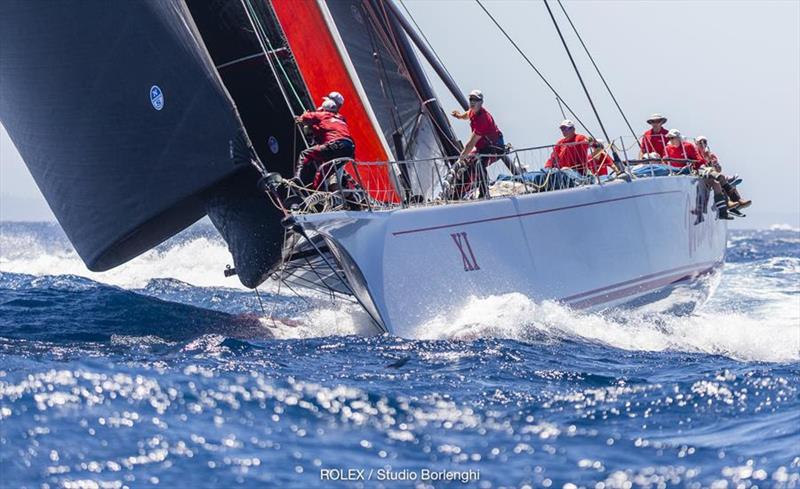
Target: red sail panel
point(324, 70)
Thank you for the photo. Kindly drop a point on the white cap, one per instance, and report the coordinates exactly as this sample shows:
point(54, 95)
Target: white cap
point(567, 123)
point(329, 105)
point(336, 97)
point(476, 94)
point(701, 138)
point(656, 117)
point(673, 133)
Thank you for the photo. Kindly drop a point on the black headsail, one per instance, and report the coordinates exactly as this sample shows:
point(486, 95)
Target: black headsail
point(137, 118)
point(120, 117)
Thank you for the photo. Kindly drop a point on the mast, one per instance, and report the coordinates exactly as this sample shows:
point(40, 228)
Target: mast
point(429, 56)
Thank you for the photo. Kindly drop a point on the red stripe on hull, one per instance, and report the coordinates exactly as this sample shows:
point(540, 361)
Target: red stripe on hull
point(323, 69)
point(532, 213)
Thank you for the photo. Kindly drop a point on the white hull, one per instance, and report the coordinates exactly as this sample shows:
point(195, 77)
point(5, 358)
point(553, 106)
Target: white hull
point(589, 247)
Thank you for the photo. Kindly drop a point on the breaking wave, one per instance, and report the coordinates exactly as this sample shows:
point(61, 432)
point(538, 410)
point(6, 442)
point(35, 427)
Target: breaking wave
point(197, 257)
point(755, 315)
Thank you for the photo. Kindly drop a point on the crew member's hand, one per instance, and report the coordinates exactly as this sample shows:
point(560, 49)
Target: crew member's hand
point(455, 113)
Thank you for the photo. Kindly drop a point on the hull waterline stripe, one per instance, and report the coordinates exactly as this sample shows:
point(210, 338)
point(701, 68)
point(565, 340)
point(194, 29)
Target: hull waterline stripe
point(532, 213)
point(696, 266)
point(640, 288)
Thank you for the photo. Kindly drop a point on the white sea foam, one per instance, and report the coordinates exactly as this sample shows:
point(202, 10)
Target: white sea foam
point(784, 227)
point(771, 333)
point(198, 261)
point(768, 331)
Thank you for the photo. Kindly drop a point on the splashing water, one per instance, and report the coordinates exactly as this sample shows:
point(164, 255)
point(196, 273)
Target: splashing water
point(160, 373)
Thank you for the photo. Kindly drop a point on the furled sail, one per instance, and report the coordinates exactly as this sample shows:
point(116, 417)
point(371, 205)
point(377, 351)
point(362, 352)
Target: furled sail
point(120, 117)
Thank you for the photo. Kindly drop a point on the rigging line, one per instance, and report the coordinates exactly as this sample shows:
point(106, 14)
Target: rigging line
point(424, 106)
point(259, 32)
point(259, 301)
point(383, 72)
point(597, 68)
point(530, 63)
point(425, 38)
point(561, 108)
point(273, 52)
point(580, 78)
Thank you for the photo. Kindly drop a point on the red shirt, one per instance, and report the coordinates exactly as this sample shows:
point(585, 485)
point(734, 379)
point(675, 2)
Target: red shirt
point(482, 124)
point(600, 164)
point(327, 126)
point(686, 151)
point(655, 142)
point(574, 155)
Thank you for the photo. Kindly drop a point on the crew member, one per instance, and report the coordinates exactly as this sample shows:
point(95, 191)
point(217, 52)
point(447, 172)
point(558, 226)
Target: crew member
point(654, 139)
point(486, 138)
point(713, 172)
point(600, 163)
point(485, 141)
point(333, 141)
point(571, 150)
point(678, 149)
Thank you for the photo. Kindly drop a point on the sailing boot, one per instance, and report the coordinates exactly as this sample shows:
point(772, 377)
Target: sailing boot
point(734, 196)
point(721, 204)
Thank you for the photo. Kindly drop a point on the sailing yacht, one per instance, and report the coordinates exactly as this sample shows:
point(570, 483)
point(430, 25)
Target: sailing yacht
point(136, 119)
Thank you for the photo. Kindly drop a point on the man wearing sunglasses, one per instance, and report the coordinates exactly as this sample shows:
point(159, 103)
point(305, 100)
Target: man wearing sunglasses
point(486, 139)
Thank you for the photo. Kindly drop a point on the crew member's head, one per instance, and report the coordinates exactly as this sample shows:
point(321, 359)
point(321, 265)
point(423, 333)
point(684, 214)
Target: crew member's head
point(702, 142)
point(337, 99)
point(475, 100)
point(567, 128)
point(329, 105)
point(597, 146)
point(657, 121)
point(674, 137)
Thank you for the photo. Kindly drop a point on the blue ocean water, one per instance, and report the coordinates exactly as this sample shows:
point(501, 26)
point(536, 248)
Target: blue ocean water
point(160, 374)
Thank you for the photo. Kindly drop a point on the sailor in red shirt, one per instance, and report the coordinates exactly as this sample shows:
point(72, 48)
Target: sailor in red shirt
point(333, 141)
point(678, 149)
point(571, 151)
point(485, 139)
point(599, 162)
point(654, 139)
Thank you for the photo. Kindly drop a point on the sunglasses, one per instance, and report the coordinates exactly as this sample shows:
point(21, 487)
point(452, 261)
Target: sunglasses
point(474, 100)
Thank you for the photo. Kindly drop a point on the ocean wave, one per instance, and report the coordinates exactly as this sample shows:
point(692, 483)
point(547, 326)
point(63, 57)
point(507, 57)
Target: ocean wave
point(199, 261)
point(766, 335)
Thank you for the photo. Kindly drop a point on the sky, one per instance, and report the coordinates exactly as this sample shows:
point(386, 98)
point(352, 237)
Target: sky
point(729, 70)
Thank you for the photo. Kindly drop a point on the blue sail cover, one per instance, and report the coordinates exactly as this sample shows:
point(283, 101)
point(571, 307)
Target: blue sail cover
point(120, 117)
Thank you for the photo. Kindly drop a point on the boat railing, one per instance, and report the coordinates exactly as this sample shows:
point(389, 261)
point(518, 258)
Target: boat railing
point(451, 180)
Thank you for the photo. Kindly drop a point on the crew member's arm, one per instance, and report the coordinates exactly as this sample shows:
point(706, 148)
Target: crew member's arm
point(307, 117)
point(552, 162)
point(473, 140)
point(460, 115)
point(691, 153)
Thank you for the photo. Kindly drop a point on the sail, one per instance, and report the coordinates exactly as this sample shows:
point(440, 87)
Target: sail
point(138, 118)
point(120, 117)
point(357, 50)
point(243, 214)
